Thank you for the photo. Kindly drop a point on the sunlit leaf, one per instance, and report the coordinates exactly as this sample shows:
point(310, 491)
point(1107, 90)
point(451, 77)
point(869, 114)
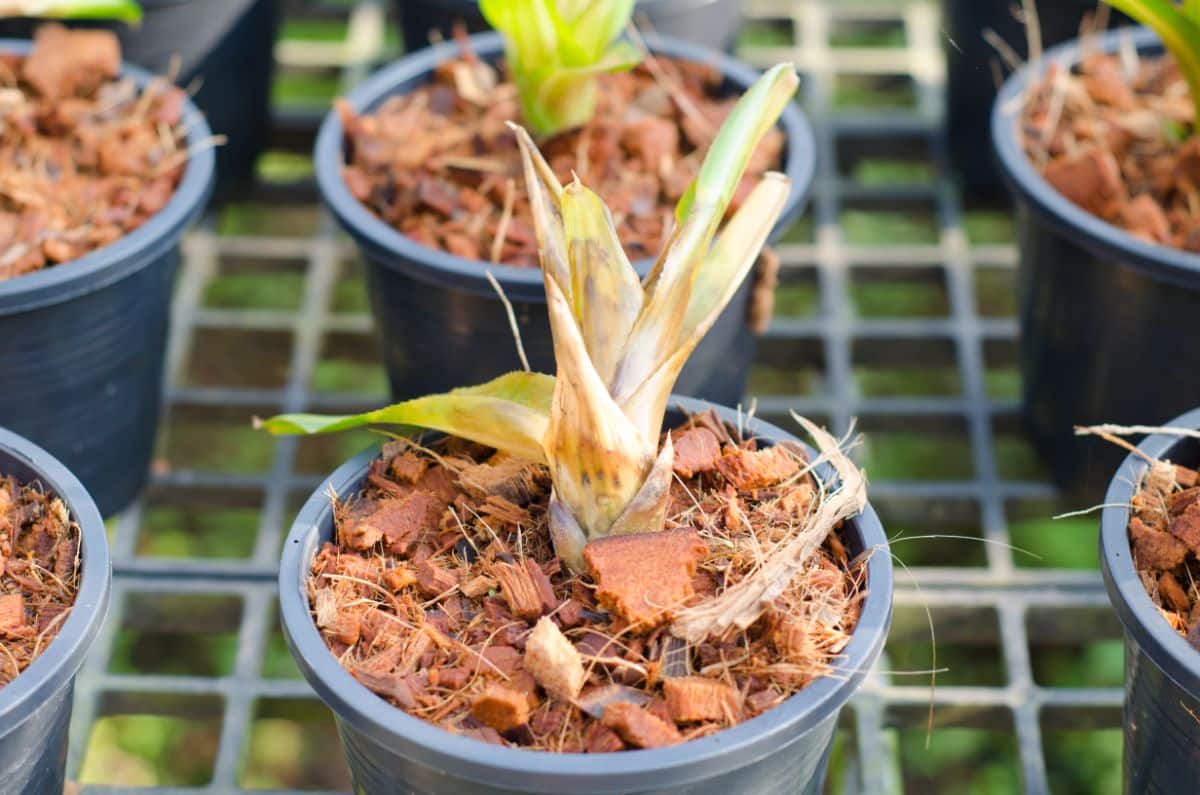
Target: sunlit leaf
point(510, 413)
point(121, 10)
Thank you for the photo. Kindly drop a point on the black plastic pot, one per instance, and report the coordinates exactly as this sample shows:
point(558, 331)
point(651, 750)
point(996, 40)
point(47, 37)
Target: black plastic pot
point(782, 751)
point(1103, 313)
point(441, 322)
point(971, 76)
point(711, 23)
point(1162, 671)
point(35, 708)
point(82, 343)
point(226, 51)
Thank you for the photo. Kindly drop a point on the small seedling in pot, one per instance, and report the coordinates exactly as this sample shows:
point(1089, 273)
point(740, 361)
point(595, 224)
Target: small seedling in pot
point(556, 49)
point(619, 344)
point(122, 10)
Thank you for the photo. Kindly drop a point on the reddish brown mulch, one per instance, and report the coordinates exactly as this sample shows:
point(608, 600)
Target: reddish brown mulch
point(1120, 145)
point(443, 596)
point(88, 158)
point(442, 168)
point(1164, 532)
point(39, 573)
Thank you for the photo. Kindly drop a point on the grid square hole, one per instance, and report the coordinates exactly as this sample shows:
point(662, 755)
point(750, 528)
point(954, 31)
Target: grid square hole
point(277, 662)
point(995, 291)
point(1083, 750)
point(988, 225)
point(798, 294)
point(252, 283)
point(882, 161)
point(899, 292)
point(1073, 646)
point(867, 32)
point(916, 448)
point(787, 367)
point(199, 523)
point(763, 32)
point(256, 217)
point(954, 759)
point(350, 363)
point(968, 645)
point(895, 367)
point(215, 438)
point(1016, 458)
point(238, 357)
point(1002, 378)
point(320, 455)
point(894, 224)
point(291, 745)
point(910, 520)
point(177, 634)
point(350, 291)
point(1068, 543)
point(874, 92)
point(142, 739)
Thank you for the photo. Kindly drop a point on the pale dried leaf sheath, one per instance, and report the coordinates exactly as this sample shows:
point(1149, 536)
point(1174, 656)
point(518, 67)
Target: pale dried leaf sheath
point(741, 605)
point(553, 661)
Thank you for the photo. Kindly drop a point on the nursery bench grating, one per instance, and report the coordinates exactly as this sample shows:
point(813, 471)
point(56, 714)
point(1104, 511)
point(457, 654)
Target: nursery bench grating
point(895, 308)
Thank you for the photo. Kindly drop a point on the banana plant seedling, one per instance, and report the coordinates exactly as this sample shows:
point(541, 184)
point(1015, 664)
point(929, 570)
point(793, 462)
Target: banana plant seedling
point(1178, 25)
point(556, 49)
point(120, 10)
point(619, 344)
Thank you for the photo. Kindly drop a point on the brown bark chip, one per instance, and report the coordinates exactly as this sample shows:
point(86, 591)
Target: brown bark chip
point(1090, 178)
point(13, 623)
point(1154, 548)
point(1144, 217)
point(696, 450)
point(1186, 526)
point(599, 739)
point(526, 588)
point(1172, 593)
point(748, 470)
point(65, 62)
point(500, 707)
point(698, 698)
point(639, 728)
point(641, 594)
point(433, 580)
point(553, 661)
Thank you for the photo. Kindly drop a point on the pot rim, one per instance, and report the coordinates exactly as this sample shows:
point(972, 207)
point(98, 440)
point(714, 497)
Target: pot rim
point(400, 252)
point(60, 661)
point(1137, 612)
point(133, 251)
point(543, 771)
point(1093, 233)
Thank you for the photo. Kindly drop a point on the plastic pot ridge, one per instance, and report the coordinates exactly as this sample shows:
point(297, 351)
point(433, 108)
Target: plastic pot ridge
point(1102, 312)
point(1162, 671)
point(35, 708)
point(82, 343)
point(442, 324)
point(784, 750)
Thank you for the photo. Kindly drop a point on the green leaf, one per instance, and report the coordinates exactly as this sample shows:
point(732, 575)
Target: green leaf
point(510, 413)
point(725, 267)
point(669, 285)
point(121, 10)
point(556, 51)
point(1179, 30)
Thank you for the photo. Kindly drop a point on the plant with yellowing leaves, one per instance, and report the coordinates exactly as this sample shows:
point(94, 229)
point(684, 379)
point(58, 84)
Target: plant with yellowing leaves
point(619, 343)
